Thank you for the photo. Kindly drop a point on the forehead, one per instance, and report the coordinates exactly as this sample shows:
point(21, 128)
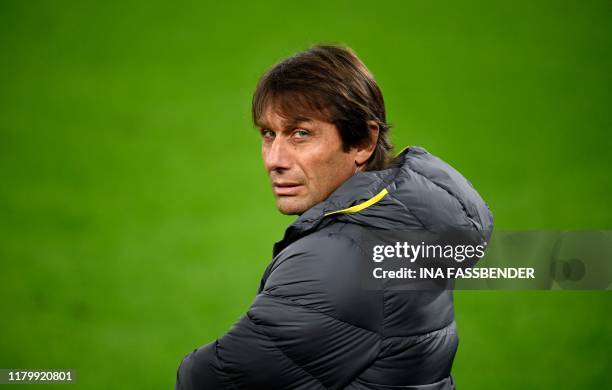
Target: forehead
point(273, 118)
point(290, 108)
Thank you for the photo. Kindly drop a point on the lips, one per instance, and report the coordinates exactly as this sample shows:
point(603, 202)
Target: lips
point(286, 189)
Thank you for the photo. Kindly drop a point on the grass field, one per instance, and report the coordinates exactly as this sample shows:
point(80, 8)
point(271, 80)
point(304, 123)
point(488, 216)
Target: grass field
point(135, 214)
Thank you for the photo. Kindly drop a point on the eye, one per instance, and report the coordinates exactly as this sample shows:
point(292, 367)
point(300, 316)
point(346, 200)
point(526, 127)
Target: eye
point(267, 134)
point(301, 133)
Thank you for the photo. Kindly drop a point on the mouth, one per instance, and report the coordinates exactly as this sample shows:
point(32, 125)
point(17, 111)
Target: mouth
point(286, 189)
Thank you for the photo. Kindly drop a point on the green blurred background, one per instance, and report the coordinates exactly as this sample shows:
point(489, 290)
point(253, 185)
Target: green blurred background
point(135, 214)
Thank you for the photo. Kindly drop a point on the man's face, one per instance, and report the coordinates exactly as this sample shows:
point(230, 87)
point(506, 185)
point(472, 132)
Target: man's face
point(304, 160)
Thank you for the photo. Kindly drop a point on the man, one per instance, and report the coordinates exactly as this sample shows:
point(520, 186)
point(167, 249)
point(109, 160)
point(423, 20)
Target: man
point(326, 149)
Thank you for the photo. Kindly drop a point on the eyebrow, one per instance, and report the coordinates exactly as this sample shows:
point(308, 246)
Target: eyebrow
point(287, 124)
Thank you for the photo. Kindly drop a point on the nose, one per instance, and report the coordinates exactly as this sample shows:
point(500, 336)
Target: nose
point(277, 155)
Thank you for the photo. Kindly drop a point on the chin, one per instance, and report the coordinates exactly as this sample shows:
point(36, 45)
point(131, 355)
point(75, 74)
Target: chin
point(291, 206)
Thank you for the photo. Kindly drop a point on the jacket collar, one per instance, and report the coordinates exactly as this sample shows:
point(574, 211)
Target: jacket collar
point(360, 191)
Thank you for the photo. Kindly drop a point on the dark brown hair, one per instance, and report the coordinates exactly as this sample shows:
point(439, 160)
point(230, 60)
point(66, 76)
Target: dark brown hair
point(330, 83)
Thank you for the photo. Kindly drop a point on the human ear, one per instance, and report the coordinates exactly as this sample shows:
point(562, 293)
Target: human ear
point(363, 152)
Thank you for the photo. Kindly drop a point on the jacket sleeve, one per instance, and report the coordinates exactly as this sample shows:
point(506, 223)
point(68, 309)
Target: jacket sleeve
point(311, 327)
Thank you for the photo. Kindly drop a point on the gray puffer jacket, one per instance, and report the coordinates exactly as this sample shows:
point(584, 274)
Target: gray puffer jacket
point(312, 326)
